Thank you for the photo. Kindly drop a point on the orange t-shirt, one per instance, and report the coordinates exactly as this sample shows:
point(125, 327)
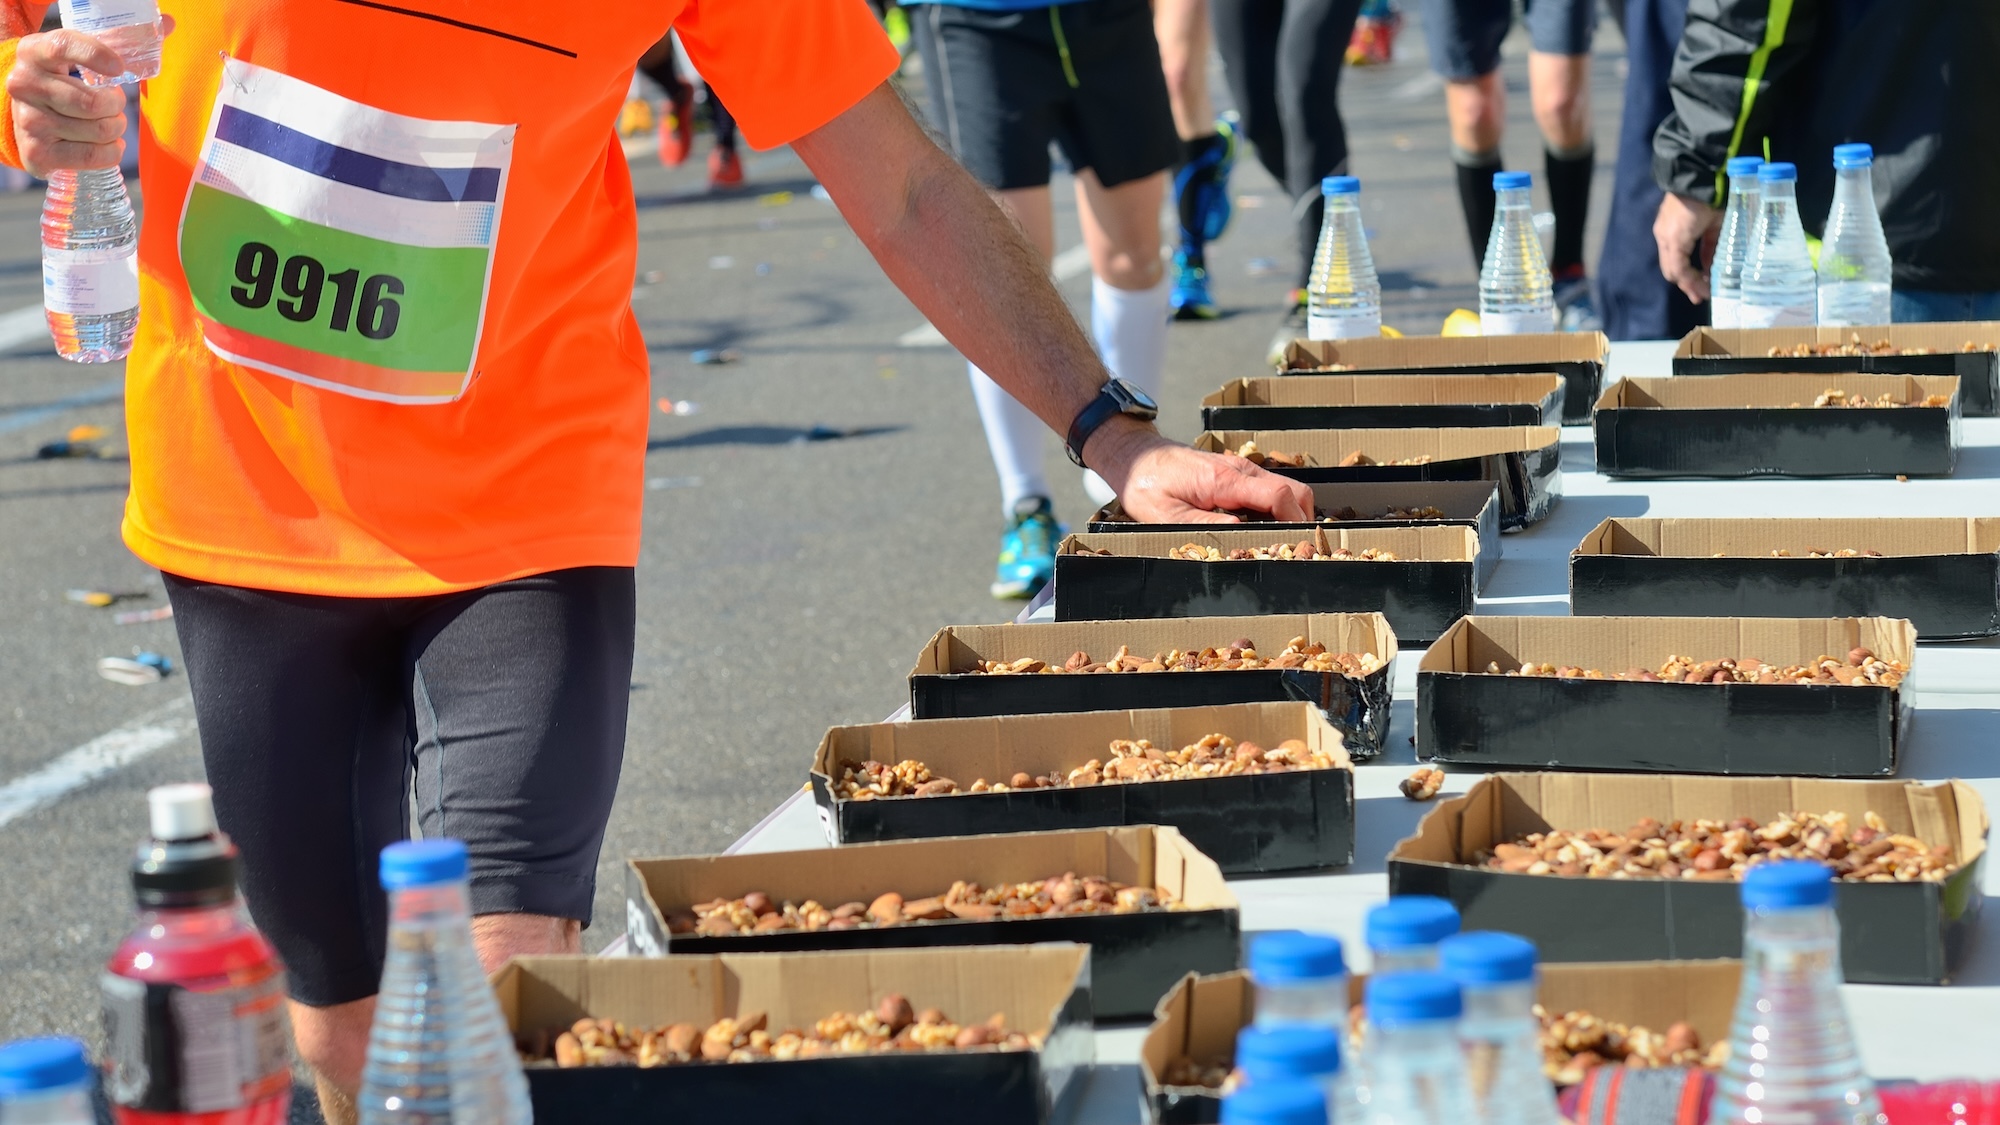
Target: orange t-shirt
point(386, 344)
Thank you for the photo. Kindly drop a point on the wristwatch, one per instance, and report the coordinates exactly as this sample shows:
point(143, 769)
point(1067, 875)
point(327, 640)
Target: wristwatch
point(1117, 397)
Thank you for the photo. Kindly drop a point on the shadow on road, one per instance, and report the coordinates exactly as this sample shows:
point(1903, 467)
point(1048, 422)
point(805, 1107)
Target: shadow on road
point(767, 435)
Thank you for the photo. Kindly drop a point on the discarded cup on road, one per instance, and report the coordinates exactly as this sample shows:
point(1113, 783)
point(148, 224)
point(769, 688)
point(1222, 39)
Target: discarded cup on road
point(138, 670)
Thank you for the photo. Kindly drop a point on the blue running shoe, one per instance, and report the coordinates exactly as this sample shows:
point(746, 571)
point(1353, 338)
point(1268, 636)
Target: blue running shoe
point(1189, 298)
point(1212, 205)
point(1027, 550)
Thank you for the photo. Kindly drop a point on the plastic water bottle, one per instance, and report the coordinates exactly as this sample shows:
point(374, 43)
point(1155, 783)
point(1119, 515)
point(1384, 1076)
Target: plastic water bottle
point(1403, 933)
point(1275, 1103)
point(439, 1051)
point(1854, 274)
point(1496, 975)
point(1416, 1066)
point(1792, 1059)
point(194, 998)
point(1299, 978)
point(1343, 296)
point(1779, 288)
point(129, 27)
point(45, 1082)
point(1725, 276)
point(1516, 293)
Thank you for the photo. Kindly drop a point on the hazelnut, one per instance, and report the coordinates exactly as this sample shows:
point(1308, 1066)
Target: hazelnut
point(894, 1012)
point(887, 909)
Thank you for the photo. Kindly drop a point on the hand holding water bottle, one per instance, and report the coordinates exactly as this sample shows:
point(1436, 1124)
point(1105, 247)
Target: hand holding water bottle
point(62, 123)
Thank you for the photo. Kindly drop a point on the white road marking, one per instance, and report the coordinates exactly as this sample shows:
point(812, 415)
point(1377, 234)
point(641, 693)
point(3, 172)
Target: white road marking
point(1070, 263)
point(24, 326)
point(114, 750)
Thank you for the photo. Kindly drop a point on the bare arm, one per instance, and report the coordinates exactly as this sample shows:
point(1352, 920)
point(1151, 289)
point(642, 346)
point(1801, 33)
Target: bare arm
point(945, 244)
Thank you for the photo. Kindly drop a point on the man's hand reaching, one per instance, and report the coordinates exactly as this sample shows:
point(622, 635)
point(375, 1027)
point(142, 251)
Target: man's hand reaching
point(1163, 481)
point(1682, 226)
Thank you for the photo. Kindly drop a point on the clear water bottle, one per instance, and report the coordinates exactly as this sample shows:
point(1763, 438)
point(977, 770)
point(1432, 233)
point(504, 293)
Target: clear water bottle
point(1854, 256)
point(1299, 978)
point(439, 1051)
point(1516, 293)
point(1496, 975)
point(45, 1082)
point(1416, 1067)
point(1295, 1052)
point(1725, 276)
point(1275, 1103)
point(1403, 933)
point(1343, 296)
point(1792, 1059)
point(1779, 288)
point(129, 27)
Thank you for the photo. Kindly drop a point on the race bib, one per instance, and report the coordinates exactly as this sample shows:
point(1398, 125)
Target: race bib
point(341, 245)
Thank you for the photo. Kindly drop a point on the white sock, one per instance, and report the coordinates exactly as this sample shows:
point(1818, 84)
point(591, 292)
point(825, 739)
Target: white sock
point(1130, 326)
point(1015, 437)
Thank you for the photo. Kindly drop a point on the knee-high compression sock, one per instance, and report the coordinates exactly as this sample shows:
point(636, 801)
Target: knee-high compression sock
point(1475, 196)
point(1569, 173)
point(1130, 327)
point(1197, 171)
point(1014, 436)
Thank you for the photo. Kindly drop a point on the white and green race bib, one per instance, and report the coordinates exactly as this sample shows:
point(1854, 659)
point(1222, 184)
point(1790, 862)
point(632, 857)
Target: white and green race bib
point(342, 245)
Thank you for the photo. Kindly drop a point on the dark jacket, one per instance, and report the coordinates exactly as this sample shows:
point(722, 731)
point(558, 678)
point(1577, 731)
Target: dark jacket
point(1917, 79)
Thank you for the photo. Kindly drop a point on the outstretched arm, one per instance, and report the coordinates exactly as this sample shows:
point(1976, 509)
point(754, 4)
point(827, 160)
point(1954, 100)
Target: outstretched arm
point(945, 244)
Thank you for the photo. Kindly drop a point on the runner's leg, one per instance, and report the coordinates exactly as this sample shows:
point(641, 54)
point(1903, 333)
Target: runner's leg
point(1559, 34)
point(1246, 35)
point(1017, 439)
point(677, 121)
point(1311, 47)
point(1128, 289)
point(1464, 39)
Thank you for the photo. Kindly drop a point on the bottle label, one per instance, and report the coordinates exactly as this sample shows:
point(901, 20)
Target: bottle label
point(103, 15)
point(1517, 323)
point(181, 1048)
point(90, 282)
point(1725, 312)
point(1775, 316)
point(1335, 326)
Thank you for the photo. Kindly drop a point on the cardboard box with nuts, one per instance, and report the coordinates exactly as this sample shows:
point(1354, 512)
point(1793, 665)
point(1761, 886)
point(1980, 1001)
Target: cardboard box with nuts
point(1579, 357)
point(944, 683)
point(1892, 931)
point(1942, 574)
point(1768, 426)
point(1361, 402)
point(1524, 461)
point(1040, 990)
point(1300, 819)
point(1967, 349)
point(1581, 713)
point(1428, 585)
point(1134, 956)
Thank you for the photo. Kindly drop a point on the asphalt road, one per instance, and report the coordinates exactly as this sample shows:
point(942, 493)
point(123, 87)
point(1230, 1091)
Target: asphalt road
point(785, 584)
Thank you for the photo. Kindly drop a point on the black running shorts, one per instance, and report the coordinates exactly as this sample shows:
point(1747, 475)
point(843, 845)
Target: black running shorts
point(1003, 85)
point(502, 709)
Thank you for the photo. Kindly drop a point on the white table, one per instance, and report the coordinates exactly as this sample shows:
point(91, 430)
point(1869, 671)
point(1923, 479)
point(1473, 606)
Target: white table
point(1905, 1031)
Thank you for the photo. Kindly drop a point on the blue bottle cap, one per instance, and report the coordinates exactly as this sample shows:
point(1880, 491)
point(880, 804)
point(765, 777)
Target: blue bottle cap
point(1507, 181)
point(1276, 1103)
point(1487, 957)
point(1743, 165)
point(423, 863)
point(1787, 884)
point(1293, 957)
point(1400, 998)
point(1777, 172)
point(1340, 185)
point(35, 1065)
point(1853, 156)
point(1410, 922)
point(1288, 1051)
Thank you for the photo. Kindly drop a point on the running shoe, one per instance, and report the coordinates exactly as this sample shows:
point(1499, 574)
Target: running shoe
point(677, 127)
point(1292, 327)
point(1027, 550)
point(1576, 310)
point(897, 23)
point(1208, 177)
point(1189, 298)
point(725, 170)
point(1374, 40)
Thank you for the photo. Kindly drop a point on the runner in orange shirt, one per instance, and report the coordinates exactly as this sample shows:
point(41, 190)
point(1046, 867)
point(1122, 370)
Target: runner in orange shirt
point(388, 407)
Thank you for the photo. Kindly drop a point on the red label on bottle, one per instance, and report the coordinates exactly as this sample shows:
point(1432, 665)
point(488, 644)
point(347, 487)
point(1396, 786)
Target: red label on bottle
point(193, 1048)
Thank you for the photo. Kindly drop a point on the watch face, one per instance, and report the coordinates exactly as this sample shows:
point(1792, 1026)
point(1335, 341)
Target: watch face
point(1139, 398)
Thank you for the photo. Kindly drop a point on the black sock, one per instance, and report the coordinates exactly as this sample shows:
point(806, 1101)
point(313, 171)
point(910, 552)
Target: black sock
point(668, 76)
point(1569, 198)
point(1476, 199)
point(725, 124)
point(1188, 202)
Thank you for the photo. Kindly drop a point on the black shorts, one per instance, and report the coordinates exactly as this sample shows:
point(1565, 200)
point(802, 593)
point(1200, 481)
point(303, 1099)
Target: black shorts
point(502, 709)
point(1465, 35)
point(1001, 90)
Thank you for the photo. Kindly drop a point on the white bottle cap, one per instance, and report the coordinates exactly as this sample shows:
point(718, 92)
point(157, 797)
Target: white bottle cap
point(182, 812)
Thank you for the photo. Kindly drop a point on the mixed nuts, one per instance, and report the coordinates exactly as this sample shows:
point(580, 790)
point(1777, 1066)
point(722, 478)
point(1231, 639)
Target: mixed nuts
point(1068, 893)
point(1853, 346)
point(1834, 396)
point(1216, 755)
point(1861, 668)
point(1723, 849)
point(1238, 655)
point(1576, 1041)
point(1303, 550)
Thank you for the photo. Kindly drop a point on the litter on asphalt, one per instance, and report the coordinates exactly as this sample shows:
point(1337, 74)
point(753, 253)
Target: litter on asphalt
point(140, 669)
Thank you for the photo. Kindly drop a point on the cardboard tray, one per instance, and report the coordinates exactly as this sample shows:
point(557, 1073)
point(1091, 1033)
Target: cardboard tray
point(1295, 821)
point(1730, 351)
point(1430, 586)
point(1752, 425)
point(1360, 402)
point(1133, 959)
point(1579, 357)
point(1043, 988)
point(1357, 706)
point(1524, 461)
point(1468, 716)
point(1941, 574)
point(1201, 1016)
point(1890, 933)
point(1474, 503)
